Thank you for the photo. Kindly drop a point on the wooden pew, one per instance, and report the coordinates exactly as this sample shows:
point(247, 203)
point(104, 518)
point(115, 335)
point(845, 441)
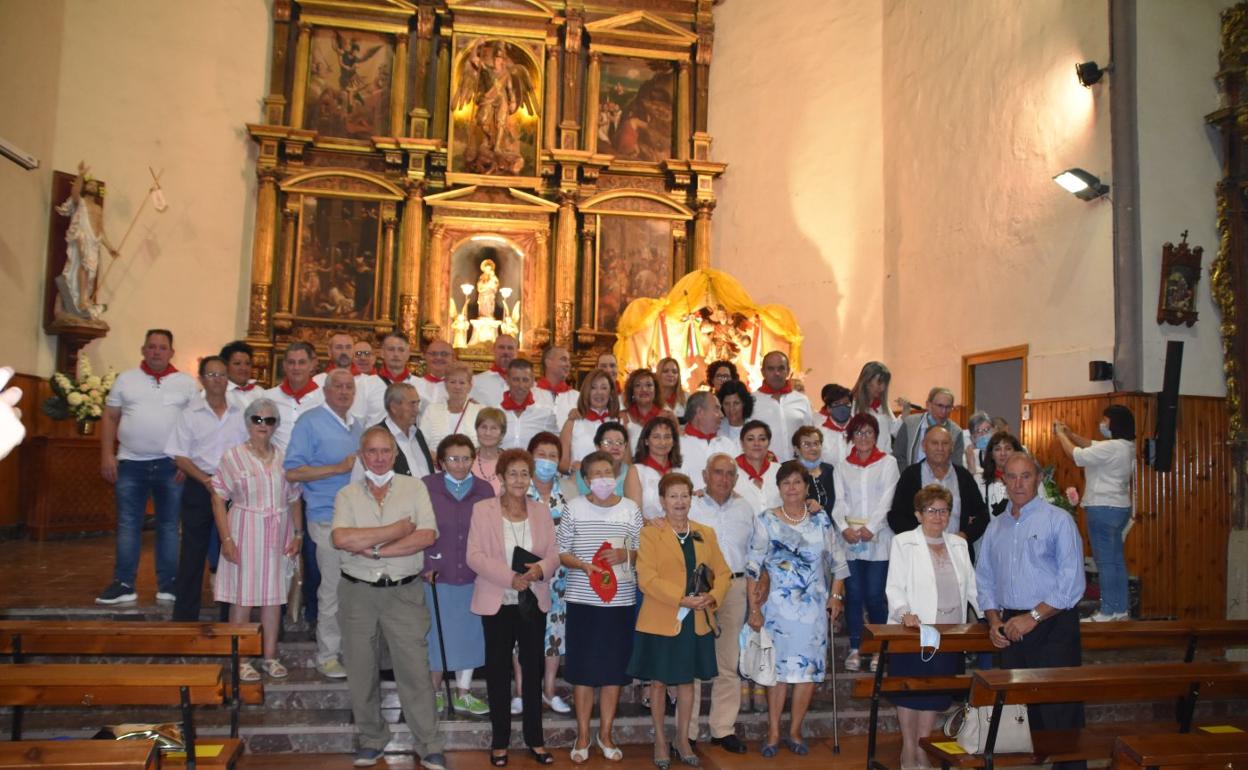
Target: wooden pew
point(1106, 683)
point(23, 638)
point(1187, 750)
point(94, 684)
point(105, 755)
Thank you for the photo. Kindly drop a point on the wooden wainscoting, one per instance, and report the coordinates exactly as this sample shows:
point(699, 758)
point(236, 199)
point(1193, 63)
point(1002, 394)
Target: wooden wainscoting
point(1183, 518)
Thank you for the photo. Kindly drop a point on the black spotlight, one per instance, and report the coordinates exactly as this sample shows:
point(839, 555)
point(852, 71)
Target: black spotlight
point(1081, 184)
point(1089, 73)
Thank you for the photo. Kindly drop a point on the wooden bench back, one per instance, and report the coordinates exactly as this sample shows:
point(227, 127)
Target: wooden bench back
point(1118, 635)
point(103, 637)
point(1179, 749)
point(106, 684)
point(115, 755)
point(1110, 682)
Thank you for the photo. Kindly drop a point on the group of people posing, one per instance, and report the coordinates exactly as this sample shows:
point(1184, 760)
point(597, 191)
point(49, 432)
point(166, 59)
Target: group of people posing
point(627, 533)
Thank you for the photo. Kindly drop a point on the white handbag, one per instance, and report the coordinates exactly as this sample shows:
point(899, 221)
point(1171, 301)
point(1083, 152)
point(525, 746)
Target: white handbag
point(758, 656)
point(1013, 734)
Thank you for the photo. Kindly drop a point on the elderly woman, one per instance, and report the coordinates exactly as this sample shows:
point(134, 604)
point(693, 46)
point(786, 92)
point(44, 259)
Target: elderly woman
point(658, 452)
point(756, 477)
point(458, 414)
point(930, 580)
point(871, 397)
point(261, 534)
point(674, 643)
point(864, 486)
point(808, 450)
point(737, 403)
point(1108, 468)
point(491, 426)
point(598, 404)
point(453, 493)
point(797, 551)
point(612, 440)
point(511, 547)
point(991, 478)
point(978, 431)
point(671, 392)
point(641, 392)
point(836, 412)
point(599, 535)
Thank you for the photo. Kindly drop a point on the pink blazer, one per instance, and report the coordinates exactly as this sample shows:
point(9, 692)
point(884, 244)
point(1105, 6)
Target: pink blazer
point(493, 566)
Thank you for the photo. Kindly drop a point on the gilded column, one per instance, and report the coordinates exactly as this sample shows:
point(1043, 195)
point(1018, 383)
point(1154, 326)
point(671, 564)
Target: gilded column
point(411, 236)
point(539, 324)
point(398, 82)
point(420, 85)
point(591, 101)
point(587, 274)
point(682, 110)
point(262, 246)
point(389, 222)
point(680, 240)
point(551, 111)
point(442, 96)
point(436, 288)
point(299, 86)
point(565, 269)
point(572, 33)
point(290, 237)
point(702, 236)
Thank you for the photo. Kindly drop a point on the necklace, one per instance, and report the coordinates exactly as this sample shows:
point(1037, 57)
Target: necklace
point(684, 537)
point(791, 520)
point(263, 458)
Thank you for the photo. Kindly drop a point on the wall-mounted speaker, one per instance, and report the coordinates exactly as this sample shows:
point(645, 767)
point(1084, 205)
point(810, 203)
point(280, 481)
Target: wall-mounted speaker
point(1100, 371)
point(1159, 450)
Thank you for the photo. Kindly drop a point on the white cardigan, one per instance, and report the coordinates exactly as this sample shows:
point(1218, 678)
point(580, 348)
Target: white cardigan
point(911, 585)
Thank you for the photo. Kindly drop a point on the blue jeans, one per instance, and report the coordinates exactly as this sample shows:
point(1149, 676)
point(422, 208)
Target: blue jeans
point(1105, 526)
point(865, 587)
point(137, 481)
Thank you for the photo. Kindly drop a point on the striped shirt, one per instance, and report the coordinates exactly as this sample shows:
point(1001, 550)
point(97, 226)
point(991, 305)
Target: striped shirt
point(583, 528)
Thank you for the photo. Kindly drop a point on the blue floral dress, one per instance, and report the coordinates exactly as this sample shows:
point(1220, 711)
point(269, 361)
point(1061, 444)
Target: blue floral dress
point(556, 617)
point(801, 561)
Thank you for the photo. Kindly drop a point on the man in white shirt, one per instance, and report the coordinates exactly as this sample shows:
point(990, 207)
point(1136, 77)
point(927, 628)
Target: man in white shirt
point(780, 406)
point(432, 386)
point(139, 414)
point(733, 521)
point(700, 439)
point(488, 386)
point(553, 389)
point(364, 357)
point(402, 407)
point(298, 393)
point(396, 351)
point(342, 356)
point(242, 389)
point(209, 426)
point(525, 416)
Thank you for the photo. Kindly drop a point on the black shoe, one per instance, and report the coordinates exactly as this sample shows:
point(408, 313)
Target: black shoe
point(730, 743)
point(543, 757)
point(498, 761)
point(117, 593)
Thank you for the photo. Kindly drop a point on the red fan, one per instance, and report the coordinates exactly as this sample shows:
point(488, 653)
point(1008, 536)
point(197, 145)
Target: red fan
point(603, 583)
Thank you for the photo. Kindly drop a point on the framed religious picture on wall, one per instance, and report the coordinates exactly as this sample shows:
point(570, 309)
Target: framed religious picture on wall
point(636, 104)
point(336, 264)
point(1180, 274)
point(634, 259)
point(349, 83)
point(495, 120)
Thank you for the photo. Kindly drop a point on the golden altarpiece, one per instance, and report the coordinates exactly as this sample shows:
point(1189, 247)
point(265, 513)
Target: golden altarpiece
point(457, 169)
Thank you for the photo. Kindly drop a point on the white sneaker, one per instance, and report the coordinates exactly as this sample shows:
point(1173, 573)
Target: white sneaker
point(853, 661)
point(1104, 617)
point(557, 704)
point(332, 669)
point(517, 705)
point(875, 663)
point(165, 597)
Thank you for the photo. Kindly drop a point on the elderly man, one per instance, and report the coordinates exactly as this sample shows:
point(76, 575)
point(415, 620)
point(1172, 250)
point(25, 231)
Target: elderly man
point(969, 516)
point(488, 386)
point(402, 408)
point(908, 443)
point(733, 521)
point(526, 417)
point(1030, 577)
point(321, 454)
point(297, 394)
point(780, 406)
point(139, 414)
point(242, 389)
point(395, 354)
point(700, 438)
point(438, 359)
point(381, 524)
point(208, 426)
point(553, 389)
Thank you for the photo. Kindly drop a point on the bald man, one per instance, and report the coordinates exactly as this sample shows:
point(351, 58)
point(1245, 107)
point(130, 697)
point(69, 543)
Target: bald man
point(778, 404)
point(439, 356)
point(969, 514)
point(488, 386)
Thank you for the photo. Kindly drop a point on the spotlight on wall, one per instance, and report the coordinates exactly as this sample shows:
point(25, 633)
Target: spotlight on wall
point(1089, 73)
point(1081, 184)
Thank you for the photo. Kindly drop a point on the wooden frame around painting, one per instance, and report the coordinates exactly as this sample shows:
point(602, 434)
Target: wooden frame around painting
point(633, 259)
point(636, 108)
point(348, 91)
point(337, 259)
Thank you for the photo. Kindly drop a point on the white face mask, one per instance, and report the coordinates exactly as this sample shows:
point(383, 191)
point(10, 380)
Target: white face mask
point(928, 637)
point(379, 480)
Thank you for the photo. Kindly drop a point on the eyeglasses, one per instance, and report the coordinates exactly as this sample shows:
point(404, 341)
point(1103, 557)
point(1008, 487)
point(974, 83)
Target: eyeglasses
point(613, 443)
point(257, 419)
point(213, 375)
point(937, 511)
point(810, 444)
point(363, 354)
point(864, 434)
point(457, 459)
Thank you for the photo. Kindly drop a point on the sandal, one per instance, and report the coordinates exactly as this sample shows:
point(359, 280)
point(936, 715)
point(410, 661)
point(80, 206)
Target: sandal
point(498, 760)
point(797, 747)
point(580, 755)
point(274, 668)
point(248, 673)
point(542, 757)
point(770, 750)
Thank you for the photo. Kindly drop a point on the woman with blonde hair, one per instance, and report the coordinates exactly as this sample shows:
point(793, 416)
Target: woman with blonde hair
point(871, 397)
point(671, 393)
point(598, 404)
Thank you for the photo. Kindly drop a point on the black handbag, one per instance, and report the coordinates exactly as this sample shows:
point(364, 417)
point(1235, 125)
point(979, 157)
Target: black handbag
point(701, 582)
point(526, 602)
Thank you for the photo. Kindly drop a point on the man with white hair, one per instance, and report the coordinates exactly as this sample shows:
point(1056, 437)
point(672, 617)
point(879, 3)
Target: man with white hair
point(908, 443)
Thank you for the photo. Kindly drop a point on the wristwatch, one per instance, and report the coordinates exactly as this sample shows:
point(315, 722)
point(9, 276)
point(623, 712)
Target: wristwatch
point(377, 552)
point(1036, 616)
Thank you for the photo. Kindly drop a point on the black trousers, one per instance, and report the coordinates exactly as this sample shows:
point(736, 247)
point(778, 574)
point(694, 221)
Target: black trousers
point(1055, 642)
point(513, 628)
point(197, 526)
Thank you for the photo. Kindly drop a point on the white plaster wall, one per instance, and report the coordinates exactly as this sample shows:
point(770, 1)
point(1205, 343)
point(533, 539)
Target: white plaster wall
point(982, 250)
point(1179, 165)
point(161, 83)
point(795, 100)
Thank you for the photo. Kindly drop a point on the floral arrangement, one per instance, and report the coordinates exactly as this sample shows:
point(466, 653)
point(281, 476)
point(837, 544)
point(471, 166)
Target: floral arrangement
point(1066, 500)
point(81, 398)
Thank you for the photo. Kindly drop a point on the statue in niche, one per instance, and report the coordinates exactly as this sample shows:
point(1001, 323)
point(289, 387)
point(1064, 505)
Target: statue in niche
point(495, 86)
point(487, 289)
point(77, 284)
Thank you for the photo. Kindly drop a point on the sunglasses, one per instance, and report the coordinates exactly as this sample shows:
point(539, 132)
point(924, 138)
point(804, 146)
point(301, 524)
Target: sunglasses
point(257, 419)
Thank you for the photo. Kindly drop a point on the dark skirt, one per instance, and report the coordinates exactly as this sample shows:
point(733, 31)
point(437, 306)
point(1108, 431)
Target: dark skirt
point(599, 642)
point(911, 664)
point(675, 659)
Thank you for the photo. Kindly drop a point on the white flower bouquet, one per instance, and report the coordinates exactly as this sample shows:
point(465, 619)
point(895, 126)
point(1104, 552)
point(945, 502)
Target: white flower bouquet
point(80, 398)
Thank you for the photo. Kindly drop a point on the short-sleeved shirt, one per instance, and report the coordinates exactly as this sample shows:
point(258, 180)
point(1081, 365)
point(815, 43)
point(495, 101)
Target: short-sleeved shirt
point(355, 507)
point(733, 523)
point(322, 438)
point(1107, 468)
point(289, 409)
point(202, 437)
point(149, 411)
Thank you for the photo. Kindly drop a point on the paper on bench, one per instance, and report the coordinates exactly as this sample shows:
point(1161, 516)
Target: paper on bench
point(949, 747)
point(202, 751)
point(1220, 729)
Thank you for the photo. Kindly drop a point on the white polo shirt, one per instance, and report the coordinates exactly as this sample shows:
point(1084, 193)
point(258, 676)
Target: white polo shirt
point(202, 437)
point(561, 403)
point(243, 396)
point(149, 411)
point(524, 425)
point(289, 408)
point(784, 415)
point(733, 523)
point(488, 388)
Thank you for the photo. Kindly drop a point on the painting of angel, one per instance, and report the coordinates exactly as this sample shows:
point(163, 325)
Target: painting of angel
point(349, 75)
point(636, 101)
point(494, 108)
point(634, 260)
point(336, 272)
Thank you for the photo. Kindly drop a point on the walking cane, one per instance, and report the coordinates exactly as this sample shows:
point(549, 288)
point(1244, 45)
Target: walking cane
point(437, 618)
point(836, 733)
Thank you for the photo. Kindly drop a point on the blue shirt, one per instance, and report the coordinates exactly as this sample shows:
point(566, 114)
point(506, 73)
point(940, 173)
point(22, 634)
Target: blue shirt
point(320, 438)
point(1035, 558)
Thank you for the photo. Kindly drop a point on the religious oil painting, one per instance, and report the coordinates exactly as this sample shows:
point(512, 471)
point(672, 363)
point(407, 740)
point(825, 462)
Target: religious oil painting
point(634, 260)
point(495, 107)
point(337, 259)
point(348, 91)
point(636, 103)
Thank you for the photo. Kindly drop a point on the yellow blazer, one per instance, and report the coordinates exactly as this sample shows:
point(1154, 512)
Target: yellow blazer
point(661, 578)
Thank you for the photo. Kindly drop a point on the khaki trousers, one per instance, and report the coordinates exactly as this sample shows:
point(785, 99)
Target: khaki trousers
point(328, 635)
point(367, 614)
point(726, 687)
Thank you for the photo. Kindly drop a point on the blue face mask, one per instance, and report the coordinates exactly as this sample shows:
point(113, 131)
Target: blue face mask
point(810, 464)
point(544, 469)
point(929, 636)
point(458, 489)
point(981, 443)
point(1105, 431)
point(839, 413)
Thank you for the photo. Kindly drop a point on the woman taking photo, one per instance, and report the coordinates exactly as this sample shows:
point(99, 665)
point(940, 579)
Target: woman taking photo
point(737, 403)
point(453, 492)
point(658, 452)
point(808, 450)
point(671, 393)
point(871, 397)
point(930, 580)
point(458, 414)
point(553, 489)
point(864, 494)
point(598, 404)
point(490, 426)
point(1108, 468)
point(674, 643)
point(261, 531)
point(511, 547)
point(641, 393)
point(797, 551)
point(605, 527)
point(756, 473)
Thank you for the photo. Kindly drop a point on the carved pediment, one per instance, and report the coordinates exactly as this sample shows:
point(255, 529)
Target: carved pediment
point(513, 8)
point(481, 198)
point(635, 202)
point(640, 29)
point(385, 15)
point(342, 182)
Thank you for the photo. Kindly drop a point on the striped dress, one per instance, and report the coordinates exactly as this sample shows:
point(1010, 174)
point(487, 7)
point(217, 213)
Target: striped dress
point(260, 525)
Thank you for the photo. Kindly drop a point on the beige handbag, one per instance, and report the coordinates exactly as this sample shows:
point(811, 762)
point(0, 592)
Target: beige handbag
point(969, 727)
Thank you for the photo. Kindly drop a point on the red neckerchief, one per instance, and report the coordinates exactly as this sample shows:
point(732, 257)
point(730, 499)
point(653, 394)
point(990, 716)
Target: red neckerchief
point(595, 416)
point(833, 426)
point(652, 463)
point(876, 454)
point(246, 387)
point(642, 419)
point(500, 371)
point(433, 379)
point(788, 388)
point(998, 474)
point(355, 370)
point(561, 387)
point(170, 369)
point(385, 375)
point(695, 433)
point(875, 403)
point(510, 405)
point(298, 396)
point(754, 475)
point(671, 400)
